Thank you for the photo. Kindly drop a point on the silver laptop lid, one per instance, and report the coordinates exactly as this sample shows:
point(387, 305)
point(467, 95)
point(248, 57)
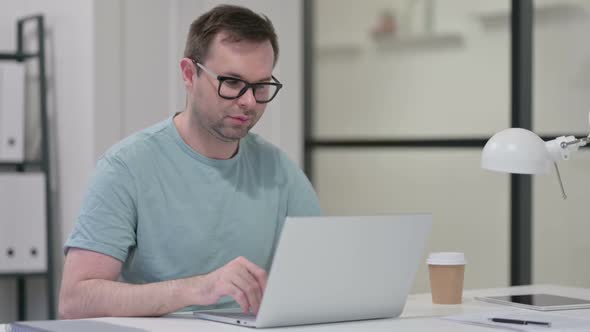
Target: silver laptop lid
point(330, 269)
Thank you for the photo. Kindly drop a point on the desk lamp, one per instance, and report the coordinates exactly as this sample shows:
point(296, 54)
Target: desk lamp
point(517, 150)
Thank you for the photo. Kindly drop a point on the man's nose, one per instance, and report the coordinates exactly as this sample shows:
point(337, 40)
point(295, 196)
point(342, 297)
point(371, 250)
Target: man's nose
point(247, 100)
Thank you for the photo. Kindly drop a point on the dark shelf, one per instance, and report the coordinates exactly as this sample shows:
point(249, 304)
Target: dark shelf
point(433, 142)
point(397, 143)
point(25, 163)
point(17, 56)
point(22, 274)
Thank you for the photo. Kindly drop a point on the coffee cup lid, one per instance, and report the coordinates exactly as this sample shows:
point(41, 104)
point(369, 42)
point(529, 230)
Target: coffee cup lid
point(446, 258)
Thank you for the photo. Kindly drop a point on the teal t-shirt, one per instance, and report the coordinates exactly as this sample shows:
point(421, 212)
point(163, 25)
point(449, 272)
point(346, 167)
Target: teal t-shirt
point(168, 212)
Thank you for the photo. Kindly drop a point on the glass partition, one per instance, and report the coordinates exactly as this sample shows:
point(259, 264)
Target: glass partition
point(405, 94)
point(561, 104)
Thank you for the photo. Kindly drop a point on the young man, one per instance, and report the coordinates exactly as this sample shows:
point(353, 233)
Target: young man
point(188, 212)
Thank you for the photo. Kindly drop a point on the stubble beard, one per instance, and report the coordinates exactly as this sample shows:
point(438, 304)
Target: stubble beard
point(220, 130)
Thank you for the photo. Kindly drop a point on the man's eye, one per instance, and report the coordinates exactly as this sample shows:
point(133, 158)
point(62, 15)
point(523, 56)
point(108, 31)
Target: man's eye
point(234, 84)
point(263, 87)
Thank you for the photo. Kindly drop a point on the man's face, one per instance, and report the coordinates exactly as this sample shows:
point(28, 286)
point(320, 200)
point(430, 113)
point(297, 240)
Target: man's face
point(230, 120)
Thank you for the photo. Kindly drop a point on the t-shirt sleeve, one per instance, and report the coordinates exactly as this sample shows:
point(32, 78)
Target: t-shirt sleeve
point(108, 218)
point(302, 199)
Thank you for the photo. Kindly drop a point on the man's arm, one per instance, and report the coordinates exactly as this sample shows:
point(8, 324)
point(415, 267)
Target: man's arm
point(90, 288)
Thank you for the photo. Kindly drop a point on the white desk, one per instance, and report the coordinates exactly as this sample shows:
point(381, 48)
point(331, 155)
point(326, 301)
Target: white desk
point(419, 315)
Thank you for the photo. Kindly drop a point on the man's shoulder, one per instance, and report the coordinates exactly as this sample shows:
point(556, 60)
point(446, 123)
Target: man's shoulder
point(256, 144)
point(268, 152)
point(138, 144)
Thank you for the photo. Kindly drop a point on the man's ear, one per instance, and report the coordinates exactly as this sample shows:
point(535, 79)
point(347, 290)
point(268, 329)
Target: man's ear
point(187, 69)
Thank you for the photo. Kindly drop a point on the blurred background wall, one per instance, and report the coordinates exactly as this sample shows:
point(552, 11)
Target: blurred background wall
point(442, 73)
point(393, 79)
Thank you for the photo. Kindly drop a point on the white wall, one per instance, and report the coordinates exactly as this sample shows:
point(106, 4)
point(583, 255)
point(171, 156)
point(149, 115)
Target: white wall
point(109, 74)
point(70, 56)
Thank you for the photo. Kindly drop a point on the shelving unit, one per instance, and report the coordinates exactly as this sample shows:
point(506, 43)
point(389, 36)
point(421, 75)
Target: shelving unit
point(43, 164)
point(341, 49)
point(419, 41)
point(393, 42)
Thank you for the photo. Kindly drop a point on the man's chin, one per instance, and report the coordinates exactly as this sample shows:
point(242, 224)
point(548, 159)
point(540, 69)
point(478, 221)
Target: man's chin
point(233, 135)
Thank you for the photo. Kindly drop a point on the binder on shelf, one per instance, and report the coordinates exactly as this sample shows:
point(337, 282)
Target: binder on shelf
point(26, 220)
point(12, 111)
point(23, 231)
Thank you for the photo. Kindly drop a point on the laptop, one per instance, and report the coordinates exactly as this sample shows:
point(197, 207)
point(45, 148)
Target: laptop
point(336, 269)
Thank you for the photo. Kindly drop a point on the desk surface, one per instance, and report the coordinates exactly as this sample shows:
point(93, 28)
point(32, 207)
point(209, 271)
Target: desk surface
point(419, 315)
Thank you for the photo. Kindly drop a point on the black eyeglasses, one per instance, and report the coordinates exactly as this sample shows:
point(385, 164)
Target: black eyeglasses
point(233, 87)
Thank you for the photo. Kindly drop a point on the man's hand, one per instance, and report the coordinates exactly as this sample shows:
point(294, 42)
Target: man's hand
point(241, 279)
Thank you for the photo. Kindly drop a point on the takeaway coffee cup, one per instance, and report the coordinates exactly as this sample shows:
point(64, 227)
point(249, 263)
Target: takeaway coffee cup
point(446, 271)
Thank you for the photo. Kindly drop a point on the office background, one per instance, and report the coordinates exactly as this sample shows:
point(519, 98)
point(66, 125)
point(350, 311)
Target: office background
point(112, 70)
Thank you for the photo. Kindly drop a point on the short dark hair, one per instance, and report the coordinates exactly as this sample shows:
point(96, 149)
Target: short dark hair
point(238, 22)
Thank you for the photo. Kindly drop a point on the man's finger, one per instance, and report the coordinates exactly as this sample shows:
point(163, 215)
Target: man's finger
point(252, 287)
point(237, 294)
point(249, 287)
point(258, 273)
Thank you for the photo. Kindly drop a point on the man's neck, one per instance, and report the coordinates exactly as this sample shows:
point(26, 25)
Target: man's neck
point(201, 140)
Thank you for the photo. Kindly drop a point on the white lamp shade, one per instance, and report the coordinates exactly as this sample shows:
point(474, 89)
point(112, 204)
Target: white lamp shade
point(516, 150)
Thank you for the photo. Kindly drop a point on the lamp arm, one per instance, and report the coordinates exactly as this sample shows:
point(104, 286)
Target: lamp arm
point(561, 147)
point(580, 141)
